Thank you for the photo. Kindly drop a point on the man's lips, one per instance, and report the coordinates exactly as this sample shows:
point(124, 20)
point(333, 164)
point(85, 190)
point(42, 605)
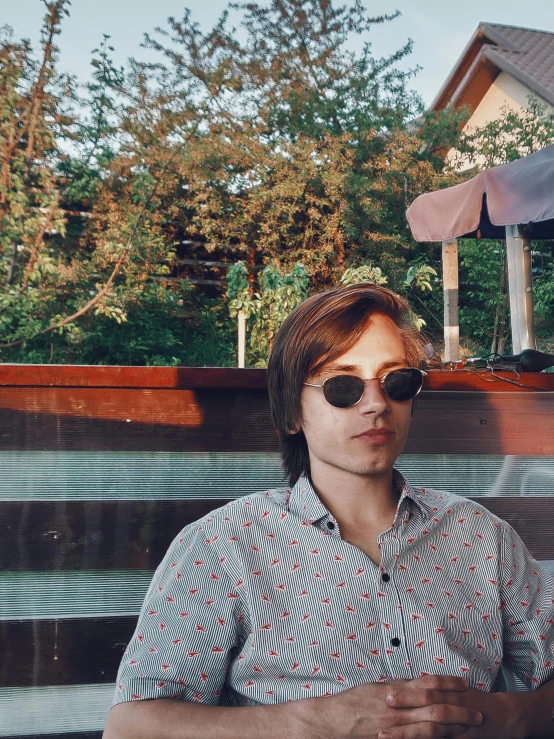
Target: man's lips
point(376, 434)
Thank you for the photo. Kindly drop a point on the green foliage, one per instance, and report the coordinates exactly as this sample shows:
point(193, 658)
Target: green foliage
point(365, 273)
point(543, 291)
point(280, 292)
point(280, 148)
point(419, 277)
point(483, 296)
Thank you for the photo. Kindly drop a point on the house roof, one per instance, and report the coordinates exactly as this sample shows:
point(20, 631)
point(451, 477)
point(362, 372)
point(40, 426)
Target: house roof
point(526, 54)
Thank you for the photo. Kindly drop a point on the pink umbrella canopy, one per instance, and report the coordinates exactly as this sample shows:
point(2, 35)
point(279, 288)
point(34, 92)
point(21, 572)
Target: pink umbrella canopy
point(517, 193)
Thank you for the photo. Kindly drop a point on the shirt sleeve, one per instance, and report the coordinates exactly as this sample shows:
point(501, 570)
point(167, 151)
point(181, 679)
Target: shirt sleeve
point(188, 628)
point(527, 603)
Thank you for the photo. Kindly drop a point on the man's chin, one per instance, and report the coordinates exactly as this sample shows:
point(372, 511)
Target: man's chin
point(370, 469)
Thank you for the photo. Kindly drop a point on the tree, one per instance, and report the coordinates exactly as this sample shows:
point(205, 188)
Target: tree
point(32, 116)
point(305, 152)
point(513, 135)
point(81, 277)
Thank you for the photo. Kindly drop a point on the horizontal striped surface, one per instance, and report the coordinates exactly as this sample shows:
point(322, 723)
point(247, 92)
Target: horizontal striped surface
point(58, 710)
point(63, 475)
point(109, 475)
point(30, 595)
point(73, 735)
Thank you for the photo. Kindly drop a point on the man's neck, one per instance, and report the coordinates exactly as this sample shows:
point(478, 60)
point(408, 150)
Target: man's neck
point(357, 500)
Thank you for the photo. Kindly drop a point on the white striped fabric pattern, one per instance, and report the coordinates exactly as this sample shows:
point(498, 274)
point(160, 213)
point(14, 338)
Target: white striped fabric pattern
point(262, 602)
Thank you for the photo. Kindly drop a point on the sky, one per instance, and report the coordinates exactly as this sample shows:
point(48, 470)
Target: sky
point(440, 29)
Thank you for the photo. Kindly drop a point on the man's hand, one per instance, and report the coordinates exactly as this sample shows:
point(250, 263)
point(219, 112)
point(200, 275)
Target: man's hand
point(498, 709)
point(367, 711)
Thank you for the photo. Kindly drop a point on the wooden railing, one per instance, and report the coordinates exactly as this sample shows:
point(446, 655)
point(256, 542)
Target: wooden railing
point(100, 467)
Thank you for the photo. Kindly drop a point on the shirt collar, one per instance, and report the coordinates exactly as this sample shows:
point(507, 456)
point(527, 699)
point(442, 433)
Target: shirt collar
point(305, 502)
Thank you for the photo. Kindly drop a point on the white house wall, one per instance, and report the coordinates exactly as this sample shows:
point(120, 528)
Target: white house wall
point(505, 91)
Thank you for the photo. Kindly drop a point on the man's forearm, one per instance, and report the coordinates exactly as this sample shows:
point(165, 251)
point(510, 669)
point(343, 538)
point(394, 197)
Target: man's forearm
point(535, 712)
point(171, 719)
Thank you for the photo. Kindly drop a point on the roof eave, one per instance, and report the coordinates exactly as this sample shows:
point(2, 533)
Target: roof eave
point(459, 74)
point(458, 71)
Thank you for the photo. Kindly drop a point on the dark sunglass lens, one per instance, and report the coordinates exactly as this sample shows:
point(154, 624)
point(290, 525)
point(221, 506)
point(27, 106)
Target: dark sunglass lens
point(343, 391)
point(403, 384)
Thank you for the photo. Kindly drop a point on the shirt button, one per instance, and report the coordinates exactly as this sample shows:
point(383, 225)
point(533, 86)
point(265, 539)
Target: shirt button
point(330, 525)
point(385, 577)
point(395, 641)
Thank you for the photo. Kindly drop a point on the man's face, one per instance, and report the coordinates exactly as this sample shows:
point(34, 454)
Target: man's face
point(335, 436)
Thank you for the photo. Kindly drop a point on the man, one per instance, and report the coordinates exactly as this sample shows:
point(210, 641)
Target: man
point(349, 605)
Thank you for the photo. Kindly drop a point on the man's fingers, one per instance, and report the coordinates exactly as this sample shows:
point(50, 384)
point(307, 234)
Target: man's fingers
point(439, 713)
point(441, 682)
point(411, 697)
point(423, 730)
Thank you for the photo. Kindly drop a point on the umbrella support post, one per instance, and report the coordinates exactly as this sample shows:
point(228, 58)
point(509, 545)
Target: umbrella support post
point(241, 337)
point(450, 292)
point(520, 286)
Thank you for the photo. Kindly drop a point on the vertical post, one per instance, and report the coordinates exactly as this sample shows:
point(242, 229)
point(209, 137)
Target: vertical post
point(520, 288)
point(242, 336)
point(450, 290)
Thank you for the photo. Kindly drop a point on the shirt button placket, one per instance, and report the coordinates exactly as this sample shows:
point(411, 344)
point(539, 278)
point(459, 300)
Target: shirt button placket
point(391, 616)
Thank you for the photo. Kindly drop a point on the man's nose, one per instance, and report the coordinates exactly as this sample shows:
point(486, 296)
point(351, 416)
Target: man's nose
point(374, 399)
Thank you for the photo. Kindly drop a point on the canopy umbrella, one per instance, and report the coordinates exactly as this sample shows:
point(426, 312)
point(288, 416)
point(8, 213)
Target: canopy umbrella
point(514, 202)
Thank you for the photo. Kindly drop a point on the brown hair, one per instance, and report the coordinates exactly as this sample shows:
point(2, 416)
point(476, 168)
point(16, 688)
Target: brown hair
point(318, 331)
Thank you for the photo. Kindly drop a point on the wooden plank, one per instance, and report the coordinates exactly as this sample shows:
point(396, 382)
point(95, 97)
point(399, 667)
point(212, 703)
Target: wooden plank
point(134, 535)
point(191, 378)
point(482, 423)
point(52, 375)
point(93, 535)
point(63, 652)
point(484, 381)
point(219, 419)
point(238, 419)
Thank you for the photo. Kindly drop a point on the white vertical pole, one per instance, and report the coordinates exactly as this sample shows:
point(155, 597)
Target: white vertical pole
point(520, 287)
point(450, 290)
point(242, 336)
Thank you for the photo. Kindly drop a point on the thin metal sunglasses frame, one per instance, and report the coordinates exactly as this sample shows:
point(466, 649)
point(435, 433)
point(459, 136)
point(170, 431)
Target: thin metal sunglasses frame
point(381, 379)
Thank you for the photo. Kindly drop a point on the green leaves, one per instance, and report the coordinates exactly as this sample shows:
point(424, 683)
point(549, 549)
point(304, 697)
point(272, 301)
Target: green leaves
point(419, 277)
point(365, 273)
point(280, 292)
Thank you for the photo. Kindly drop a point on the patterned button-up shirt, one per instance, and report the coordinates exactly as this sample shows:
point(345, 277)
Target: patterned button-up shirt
point(263, 602)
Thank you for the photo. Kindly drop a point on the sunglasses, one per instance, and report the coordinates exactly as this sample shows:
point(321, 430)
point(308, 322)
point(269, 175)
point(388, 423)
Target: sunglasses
point(345, 391)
